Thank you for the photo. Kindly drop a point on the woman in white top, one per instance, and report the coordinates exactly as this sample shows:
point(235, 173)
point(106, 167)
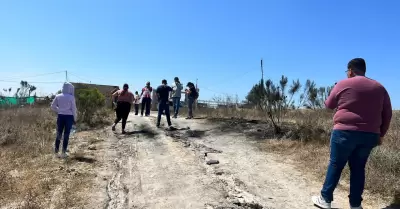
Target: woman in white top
point(137, 102)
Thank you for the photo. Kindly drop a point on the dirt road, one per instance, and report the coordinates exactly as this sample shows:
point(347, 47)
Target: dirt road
point(153, 168)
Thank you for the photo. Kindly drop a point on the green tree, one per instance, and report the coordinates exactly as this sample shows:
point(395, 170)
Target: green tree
point(89, 101)
point(313, 97)
point(273, 98)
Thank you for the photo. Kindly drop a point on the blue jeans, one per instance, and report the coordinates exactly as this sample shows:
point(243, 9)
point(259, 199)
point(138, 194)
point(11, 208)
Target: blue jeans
point(177, 103)
point(64, 124)
point(163, 106)
point(146, 102)
point(353, 147)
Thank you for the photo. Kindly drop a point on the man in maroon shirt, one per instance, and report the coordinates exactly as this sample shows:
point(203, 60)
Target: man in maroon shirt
point(362, 118)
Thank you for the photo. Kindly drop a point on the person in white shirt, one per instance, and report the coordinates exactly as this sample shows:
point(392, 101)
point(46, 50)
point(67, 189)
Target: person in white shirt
point(176, 96)
point(137, 102)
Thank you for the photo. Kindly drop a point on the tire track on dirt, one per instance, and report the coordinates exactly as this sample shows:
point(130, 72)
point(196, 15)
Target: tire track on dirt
point(117, 191)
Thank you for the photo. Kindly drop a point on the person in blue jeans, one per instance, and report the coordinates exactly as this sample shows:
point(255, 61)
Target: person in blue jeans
point(176, 96)
point(65, 106)
point(163, 92)
point(362, 118)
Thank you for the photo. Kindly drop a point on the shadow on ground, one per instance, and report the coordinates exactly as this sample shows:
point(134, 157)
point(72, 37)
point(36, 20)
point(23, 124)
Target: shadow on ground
point(392, 206)
point(253, 129)
point(83, 159)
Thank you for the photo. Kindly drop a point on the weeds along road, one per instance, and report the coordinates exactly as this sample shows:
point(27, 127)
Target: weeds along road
point(153, 168)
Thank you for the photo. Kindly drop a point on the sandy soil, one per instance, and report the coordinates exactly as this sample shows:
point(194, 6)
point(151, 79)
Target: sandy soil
point(154, 168)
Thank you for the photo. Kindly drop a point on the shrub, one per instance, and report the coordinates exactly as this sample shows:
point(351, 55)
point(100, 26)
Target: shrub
point(89, 101)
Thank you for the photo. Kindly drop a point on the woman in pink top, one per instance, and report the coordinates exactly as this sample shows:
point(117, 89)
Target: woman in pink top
point(146, 99)
point(362, 118)
point(124, 103)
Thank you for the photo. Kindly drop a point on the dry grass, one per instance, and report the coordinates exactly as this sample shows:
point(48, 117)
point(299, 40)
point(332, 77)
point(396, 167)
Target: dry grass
point(306, 140)
point(30, 175)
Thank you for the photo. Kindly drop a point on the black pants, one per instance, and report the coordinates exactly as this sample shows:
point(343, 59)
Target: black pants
point(146, 102)
point(123, 109)
point(136, 109)
point(163, 106)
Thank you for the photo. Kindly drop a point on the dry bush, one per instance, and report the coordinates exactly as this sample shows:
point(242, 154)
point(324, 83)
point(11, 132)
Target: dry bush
point(30, 174)
point(310, 125)
point(241, 113)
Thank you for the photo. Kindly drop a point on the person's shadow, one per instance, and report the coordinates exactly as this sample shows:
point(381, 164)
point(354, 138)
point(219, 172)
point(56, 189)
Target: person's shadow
point(137, 132)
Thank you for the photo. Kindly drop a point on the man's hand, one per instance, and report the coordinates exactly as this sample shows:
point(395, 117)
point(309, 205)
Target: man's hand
point(380, 141)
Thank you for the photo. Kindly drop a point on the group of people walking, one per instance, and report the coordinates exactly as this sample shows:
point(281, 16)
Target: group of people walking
point(362, 118)
point(123, 100)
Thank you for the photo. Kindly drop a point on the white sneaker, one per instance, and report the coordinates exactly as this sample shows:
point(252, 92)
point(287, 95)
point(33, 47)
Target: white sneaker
point(320, 202)
point(64, 155)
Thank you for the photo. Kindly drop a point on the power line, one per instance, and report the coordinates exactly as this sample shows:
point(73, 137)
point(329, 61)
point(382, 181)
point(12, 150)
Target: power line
point(213, 90)
point(79, 77)
point(37, 75)
point(234, 78)
point(7, 81)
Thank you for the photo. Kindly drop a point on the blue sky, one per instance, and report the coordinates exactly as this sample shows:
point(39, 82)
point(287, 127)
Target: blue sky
point(219, 42)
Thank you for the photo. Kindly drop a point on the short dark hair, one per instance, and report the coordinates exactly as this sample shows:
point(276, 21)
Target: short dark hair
point(164, 81)
point(126, 85)
point(357, 64)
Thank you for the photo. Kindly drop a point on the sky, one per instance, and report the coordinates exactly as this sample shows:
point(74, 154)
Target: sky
point(218, 42)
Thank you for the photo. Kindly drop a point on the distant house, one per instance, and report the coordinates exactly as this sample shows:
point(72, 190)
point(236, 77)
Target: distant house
point(106, 90)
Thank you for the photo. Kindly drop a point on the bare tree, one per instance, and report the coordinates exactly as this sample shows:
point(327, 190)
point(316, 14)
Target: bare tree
point(25, 89)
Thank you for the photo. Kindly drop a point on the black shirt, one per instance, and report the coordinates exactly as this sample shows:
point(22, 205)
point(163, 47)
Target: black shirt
point(163, 93)
point(193, 92)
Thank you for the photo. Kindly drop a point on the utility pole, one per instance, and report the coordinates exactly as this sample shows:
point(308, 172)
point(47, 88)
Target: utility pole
point(66, 76)
point(262, 70)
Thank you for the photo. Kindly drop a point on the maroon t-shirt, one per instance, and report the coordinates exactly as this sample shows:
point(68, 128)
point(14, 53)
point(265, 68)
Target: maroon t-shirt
point(362, 104)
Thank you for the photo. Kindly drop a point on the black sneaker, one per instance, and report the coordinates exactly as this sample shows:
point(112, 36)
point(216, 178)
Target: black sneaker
point(171, 128)
point(123, 132)
point(113, 128)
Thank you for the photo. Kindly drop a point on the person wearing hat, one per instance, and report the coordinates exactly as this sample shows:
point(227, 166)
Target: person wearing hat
point(362, 118)
point(146, 99)
point(176, 96)
point(124, 103)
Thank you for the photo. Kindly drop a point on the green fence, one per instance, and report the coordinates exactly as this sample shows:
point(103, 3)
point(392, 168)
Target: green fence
point(14, 101)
